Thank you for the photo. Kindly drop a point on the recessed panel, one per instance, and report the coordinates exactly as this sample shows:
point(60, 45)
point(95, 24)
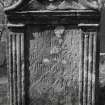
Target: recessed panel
point(54, 57)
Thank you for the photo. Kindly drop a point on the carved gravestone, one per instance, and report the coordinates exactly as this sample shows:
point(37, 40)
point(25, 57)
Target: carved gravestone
point(52, 55)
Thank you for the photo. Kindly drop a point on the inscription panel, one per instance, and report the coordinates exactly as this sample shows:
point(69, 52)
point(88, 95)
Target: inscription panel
point(54, 57)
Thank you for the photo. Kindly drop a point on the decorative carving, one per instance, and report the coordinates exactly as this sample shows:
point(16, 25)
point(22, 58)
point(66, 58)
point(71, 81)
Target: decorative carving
point(63, 4)
point(53, 4)
point(8, 3)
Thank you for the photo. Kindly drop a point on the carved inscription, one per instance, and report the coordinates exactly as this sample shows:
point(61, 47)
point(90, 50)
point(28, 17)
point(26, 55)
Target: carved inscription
point(54, 66)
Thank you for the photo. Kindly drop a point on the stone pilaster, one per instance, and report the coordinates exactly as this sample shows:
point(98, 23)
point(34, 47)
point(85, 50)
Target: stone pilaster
point(16, 68)
point(88, 71)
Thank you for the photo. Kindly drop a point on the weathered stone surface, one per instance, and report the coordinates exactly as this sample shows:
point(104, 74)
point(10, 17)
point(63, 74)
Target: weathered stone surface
point(102, 79)
point(3, 92)
point(102, 70)
point(54, 74)
point(9, 2)
point(2, 53)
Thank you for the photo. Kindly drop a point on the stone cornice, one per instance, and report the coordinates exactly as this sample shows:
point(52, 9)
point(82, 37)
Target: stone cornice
point(54, 17)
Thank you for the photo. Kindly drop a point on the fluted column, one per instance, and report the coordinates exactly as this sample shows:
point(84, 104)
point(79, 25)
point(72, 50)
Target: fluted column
point(16, 68)
point(88, 71)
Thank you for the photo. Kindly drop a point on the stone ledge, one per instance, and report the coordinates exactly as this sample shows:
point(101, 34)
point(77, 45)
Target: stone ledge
point(54, 17)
